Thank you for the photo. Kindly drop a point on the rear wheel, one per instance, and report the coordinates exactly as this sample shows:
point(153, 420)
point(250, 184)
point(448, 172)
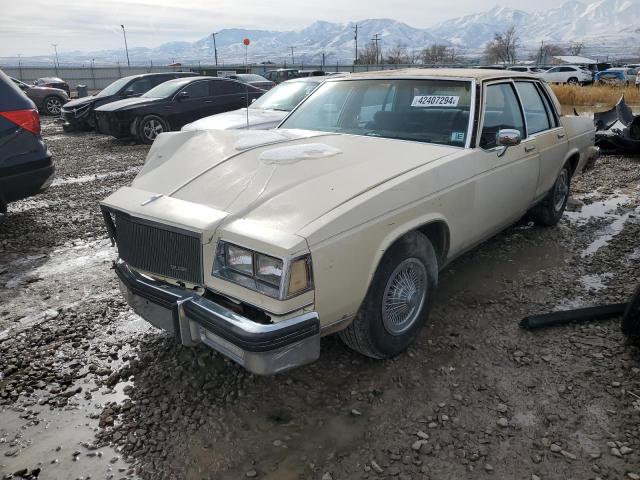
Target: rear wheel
point(150, 127)
point(52, 105)
point(573, 81)
point(398, 301)
point(549, 211)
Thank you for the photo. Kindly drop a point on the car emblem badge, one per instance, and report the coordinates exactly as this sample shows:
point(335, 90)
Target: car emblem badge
point(152, 199)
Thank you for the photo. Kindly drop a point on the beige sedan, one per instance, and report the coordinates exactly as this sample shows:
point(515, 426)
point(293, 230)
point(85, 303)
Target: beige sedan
point(257, 243)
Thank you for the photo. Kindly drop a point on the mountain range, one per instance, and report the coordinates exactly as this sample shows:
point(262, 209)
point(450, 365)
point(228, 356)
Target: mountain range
point(605, 27)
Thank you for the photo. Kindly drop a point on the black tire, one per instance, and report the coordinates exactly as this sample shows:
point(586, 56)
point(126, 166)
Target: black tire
point(52, 104)
point(573, 81)
point(549, 211)
point(372, 332)
point(149, 127)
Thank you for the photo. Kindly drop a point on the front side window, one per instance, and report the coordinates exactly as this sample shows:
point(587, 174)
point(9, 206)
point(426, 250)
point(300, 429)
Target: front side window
point(501, 111)
point(432, 111)
point(197, 89)
point(534, 110)
point(140, 86)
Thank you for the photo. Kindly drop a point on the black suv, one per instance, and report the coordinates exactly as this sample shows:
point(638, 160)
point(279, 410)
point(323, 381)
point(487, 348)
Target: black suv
point(26, 167)
point(79, 114)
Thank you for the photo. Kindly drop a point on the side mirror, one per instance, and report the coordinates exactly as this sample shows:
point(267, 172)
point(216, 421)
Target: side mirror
point(507, 137)
point(253, 100)
point(183, 95)
point(129, 92)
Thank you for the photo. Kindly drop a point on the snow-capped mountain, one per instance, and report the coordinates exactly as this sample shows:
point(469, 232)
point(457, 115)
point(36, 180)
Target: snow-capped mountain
point(606, 27)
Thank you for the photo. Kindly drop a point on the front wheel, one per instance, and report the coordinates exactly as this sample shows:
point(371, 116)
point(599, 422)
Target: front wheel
point(549, 211)
point(398, 300)
point(52, 105)
point(150, 127)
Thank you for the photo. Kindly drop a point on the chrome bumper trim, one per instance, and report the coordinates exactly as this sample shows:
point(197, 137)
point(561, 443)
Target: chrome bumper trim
point(261, 348)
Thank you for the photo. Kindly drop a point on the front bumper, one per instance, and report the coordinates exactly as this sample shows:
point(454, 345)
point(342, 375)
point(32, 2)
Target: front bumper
point(261, 348)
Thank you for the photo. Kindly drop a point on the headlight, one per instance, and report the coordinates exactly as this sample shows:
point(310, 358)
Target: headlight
point(272, 276)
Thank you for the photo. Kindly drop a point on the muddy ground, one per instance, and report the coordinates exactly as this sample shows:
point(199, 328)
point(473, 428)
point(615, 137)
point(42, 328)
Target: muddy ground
point(89, 390)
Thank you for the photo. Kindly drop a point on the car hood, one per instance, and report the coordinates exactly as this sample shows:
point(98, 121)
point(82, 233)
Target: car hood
point(79, 102)
point(45, 90)
point(278, 179)
point(126, 103)
point(258, 118)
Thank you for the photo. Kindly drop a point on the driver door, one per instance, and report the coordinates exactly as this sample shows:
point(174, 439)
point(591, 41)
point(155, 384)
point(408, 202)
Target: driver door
point(506, 187)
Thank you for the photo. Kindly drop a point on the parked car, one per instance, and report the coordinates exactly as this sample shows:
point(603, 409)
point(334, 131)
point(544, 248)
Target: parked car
point(53, 82)
point(171, 105)
point(26, 167)
point(281, 75)
point(526, 69)
point(613, 76)
point(79, 114)
point(567, 74)
point(47, 99)
point(252, 79)
point(266, 112)
point(257, 243)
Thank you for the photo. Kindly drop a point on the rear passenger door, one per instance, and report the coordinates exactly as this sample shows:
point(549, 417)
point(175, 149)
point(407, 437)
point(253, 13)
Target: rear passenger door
point(228, 95)
point(506, 187)
point(544, 128)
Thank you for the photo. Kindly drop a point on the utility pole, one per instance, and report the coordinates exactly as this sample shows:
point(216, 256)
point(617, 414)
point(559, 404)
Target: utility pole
point(20, 65)
point(293, 61)
point(215, 49)
point(126, 47)
point(376, 39)
point(57, 63)
point(356, 38)
point(541, 52)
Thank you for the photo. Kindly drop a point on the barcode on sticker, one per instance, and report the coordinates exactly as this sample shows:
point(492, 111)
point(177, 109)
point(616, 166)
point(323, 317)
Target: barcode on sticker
point(435, 101)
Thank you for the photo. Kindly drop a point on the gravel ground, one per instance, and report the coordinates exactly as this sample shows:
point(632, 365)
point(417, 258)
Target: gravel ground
point(89, 390)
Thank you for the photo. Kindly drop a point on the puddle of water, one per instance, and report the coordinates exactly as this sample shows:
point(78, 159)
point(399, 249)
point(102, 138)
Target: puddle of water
point(606, 235)
point(94, 177)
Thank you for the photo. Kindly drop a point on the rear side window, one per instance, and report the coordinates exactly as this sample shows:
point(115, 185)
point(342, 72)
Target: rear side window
point(501, 111)
point(197, 89)
point(534, 110)
point(223, 87)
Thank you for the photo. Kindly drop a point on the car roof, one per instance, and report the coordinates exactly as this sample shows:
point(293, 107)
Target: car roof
point(453, 73)
point(317, 79)
point(11, 97)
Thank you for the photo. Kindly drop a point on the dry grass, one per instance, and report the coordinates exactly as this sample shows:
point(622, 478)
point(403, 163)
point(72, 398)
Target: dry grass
point(593, 95)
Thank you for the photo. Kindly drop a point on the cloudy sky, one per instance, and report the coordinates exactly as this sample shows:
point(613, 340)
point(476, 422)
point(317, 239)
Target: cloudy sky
point(29, 27)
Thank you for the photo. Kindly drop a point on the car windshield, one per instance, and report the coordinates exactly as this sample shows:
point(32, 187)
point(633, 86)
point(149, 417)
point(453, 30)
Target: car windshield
point(285, 96)
point(433, 111)
point(165, 89)
point(249, 77)
point(114, 87)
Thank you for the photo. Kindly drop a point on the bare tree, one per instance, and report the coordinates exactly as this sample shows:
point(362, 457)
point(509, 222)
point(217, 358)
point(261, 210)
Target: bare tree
point(368, 55)
point(439, 54)
point(576, 48)
point(549, 51)
point(503, 47)
point(398, 55)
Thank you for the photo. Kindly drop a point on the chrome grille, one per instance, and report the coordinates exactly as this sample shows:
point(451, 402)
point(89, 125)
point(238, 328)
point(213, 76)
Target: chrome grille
point(157, 248)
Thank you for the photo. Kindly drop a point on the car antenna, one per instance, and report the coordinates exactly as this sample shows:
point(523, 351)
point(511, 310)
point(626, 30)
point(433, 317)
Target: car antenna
point(247, 87)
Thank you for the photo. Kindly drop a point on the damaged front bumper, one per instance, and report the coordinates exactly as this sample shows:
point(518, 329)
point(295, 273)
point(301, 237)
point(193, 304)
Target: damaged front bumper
point(261, 348)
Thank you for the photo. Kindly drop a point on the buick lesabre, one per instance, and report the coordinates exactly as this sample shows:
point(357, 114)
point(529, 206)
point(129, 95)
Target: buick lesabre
point(257, 243)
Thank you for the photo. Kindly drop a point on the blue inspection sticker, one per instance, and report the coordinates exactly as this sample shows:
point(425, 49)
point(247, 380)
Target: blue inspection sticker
point(457, 136)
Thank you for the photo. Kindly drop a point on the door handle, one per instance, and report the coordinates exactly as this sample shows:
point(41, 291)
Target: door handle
point(561, 135)
point(529, 148)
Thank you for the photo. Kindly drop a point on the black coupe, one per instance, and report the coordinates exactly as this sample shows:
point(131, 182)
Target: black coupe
point(171, 105)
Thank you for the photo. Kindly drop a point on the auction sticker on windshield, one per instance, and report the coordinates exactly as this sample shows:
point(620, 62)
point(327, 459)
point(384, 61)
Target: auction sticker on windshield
point(435, 101)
